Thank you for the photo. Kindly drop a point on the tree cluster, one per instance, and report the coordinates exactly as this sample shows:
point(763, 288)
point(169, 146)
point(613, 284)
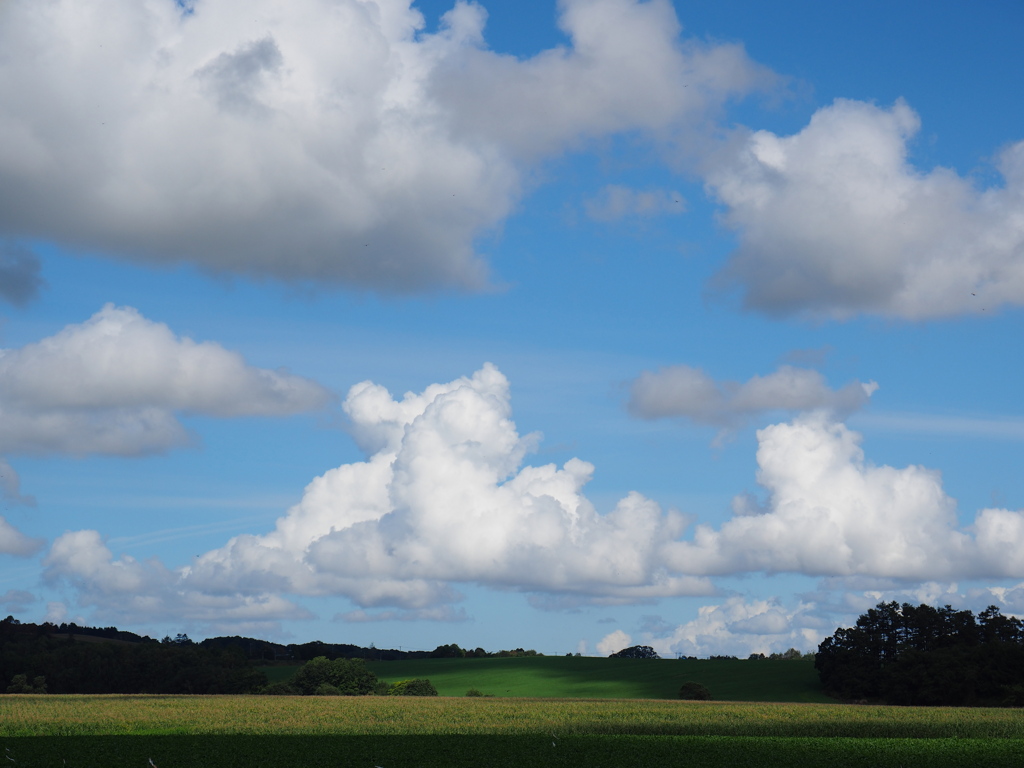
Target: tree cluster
point(344, 677)
point(59, 661)
point(635, 652)
point(921, 655)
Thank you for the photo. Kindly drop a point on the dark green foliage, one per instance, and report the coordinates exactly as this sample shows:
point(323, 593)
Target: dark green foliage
point(20, 684)
point(692, 691)
point(635, 652)
point(73, 660)
point(473, 692)
point(920, 655)
point(415, 687)
point(343, 677)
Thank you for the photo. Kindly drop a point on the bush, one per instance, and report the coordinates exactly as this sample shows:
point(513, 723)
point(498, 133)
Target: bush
point(415, 687)
point(473, 692)
point(349, 677)
point(326, 689)
point(694, 692)
point(20, 684)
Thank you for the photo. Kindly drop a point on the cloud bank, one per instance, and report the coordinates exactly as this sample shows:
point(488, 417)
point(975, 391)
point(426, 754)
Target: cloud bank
point(444, 498)
point(319, 140)
point(834, 222)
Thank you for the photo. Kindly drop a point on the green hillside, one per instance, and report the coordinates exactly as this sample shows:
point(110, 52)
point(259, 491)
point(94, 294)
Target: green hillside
point(602, 678)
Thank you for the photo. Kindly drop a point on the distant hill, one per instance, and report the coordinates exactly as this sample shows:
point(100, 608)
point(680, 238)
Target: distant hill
point(780, 680)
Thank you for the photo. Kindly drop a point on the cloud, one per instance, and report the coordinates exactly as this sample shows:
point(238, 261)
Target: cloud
point(682, 391)
point(444, 613)
point(616, 202)
point(117, 383)
point(129, 590)
point(830, 512)
point(613, 643)
point(442, 499)
point(834, 222)
point(16, 600)
point(14, 542)
point(20, 281)
point(329, 141)
point(10, 486)
point(739, 628)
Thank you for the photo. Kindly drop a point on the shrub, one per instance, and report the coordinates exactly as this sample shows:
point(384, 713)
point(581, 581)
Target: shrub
point(326, 689)
point(415, 687)
point(694, 692)
point(473, 692)
point(349, 676)
point(20, 684)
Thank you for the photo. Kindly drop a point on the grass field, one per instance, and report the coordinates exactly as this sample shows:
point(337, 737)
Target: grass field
point(397, 732)
point(596, 678)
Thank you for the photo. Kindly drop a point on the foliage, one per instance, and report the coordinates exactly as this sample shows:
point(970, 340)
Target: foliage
point(109, 661)
point(635, 652)
point(415, 687)
point(20, 684)
point(905, 654)
point(692, 691)
point(339, 677)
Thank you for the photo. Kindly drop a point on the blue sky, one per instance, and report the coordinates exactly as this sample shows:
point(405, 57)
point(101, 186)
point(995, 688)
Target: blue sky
point(708, 314)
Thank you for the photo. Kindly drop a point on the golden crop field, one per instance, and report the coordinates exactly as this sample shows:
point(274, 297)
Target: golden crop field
point(51, 715)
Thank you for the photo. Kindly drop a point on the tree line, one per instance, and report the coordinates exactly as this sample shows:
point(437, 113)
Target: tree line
point(922, 655)
point(67, 658)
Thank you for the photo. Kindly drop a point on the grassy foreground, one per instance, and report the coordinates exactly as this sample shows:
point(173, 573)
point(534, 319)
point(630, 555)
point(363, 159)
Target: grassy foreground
point(395, 732)
point(572, 677)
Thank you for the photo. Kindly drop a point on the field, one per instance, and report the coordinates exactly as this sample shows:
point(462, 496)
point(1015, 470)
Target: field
point(396, 732)
point(597, 678)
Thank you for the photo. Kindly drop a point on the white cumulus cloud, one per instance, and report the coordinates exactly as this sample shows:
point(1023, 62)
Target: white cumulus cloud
point(323, 140)
point(117, 383)
point(14, 542)
point(835, 221)
point(613, 643)
point(831, 512)
point(442, 499)
point(739, 627)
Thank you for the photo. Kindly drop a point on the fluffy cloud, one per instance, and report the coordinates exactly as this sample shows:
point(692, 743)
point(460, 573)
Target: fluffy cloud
point(834, 221)
point(613, 643)
point(442, 499)
point(325, 140)
point(616, 202)
point(115, 384)
point(129, 590)
point(738, 628)
point(14, 542)
point(830, 512)
point(682, 391)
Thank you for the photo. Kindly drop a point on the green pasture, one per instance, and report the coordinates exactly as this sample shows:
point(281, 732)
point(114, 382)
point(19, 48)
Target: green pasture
point(572, 677)
point(398, 732)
